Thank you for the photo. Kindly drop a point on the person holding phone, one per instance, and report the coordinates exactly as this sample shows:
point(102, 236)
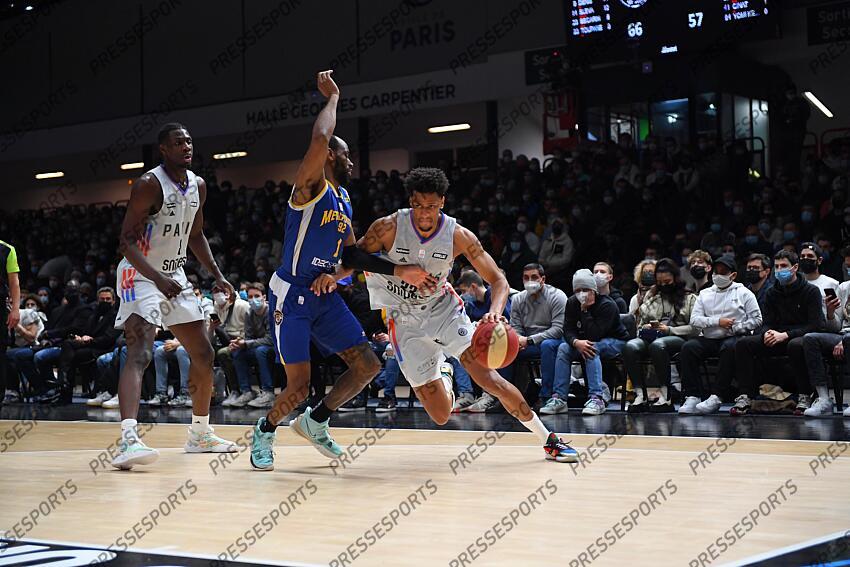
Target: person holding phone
point(811, 259)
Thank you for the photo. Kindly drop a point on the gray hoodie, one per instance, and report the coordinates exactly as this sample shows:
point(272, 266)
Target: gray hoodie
point(734, 302)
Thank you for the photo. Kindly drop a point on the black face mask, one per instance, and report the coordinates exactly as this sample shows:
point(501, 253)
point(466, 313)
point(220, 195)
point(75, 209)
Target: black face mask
point(557, 229)
point(103, 307)
point(667, 289)
point(72, 295)
point(808, 265)
point(698, 272)
point(752, 276)
point(647, 279)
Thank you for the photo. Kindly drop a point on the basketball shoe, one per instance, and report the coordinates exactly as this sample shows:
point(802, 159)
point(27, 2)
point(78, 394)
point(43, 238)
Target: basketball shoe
point(316, 433)
point(262, 448)
point(557, 450)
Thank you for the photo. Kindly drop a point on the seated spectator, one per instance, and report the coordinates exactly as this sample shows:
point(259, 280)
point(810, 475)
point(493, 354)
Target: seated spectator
point(108, 368)
point(255, 347)
point(537, 316)
point(229, 317)
point(516, 256)
point(664, 324)
point(811, 258)
point(26, 332)
point(754, 243)
point(604, 273)
point(845, 267)
point(792, 308)
point(476, 295)
point(644, 278)
point(556, 252)
point(830, 345)
point(722, 313)
point(714, 240)
point(758, 276)
point(166, 350)
point(592, 331)
point(524, 228)
point(699, 270)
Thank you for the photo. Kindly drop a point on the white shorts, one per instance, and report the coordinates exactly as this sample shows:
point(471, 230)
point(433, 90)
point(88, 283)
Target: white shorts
point(139, 295)
point(424, 337)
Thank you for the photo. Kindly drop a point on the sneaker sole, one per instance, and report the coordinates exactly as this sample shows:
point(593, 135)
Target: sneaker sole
point(89, 403)
point(351, 409)
point(257, 468)
point(233, 448)
point(386, 410)
point(562, 458)
point(141, 458)
point(295, 425)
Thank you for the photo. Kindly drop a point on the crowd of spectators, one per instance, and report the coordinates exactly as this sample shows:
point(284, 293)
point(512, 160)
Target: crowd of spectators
point(647, 226)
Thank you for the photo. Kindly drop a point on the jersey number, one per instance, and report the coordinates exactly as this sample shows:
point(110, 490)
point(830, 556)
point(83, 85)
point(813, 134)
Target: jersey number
point(180, 247)
point(338, 244)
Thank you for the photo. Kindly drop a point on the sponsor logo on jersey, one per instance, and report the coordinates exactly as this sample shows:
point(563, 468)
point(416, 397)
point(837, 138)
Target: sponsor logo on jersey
point(402, 251)
point(462, 331)
point(171, 207)
point(440, 255)
point(332, 215)
point(322, 263)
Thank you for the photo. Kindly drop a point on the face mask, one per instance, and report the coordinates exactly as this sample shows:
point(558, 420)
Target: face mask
point(532, 287)
point(808, 265)
point(243, 294)
point(72, 296)
point(53, 284)
point(667, 289)
point(691, 227)
point(89, 268)
point(35, 270)
point(521, 227)
point(44, 299)
point(737, 211)
point(483, 232)
point(219, 298)
point(100, 282)
point(582, 296)
point(753, 276)
point(515, 246)
point(577, 212)
point(261, 275)
point(698, 272)
point(103, 307)
point(721, 281)
point(557, 229)
point(751, 239)
point(257, 303)
point(492, 208)
point(467, 208)
point(601, 279)
point(243, 238)
point(647, 279)
point(467, 297)
point(784, 276)
point(764, 227)
point(788, 235)
point(608, 200)
point(807, 216)
point(715, 227)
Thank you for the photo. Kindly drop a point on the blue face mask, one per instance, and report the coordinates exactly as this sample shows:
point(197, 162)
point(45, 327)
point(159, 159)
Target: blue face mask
point(784, 276)
point(788, 235)
point(243, 294)
point(807, 216)
point(257, 303)
point(715, 227)
point(467, 298)
point(515, 246)
point(764, 227)
point(691, 227)
point(751, 239)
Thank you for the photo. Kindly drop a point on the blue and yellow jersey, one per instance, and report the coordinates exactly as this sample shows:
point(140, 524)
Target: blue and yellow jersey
point(314, 235)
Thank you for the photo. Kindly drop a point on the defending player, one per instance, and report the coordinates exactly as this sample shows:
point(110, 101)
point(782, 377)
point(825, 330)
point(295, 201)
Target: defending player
point(164, 218)
point(425, 324)
point(318, 231)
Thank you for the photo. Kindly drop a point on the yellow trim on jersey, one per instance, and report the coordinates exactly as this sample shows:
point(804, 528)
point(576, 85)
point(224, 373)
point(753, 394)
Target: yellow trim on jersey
point(311, 201)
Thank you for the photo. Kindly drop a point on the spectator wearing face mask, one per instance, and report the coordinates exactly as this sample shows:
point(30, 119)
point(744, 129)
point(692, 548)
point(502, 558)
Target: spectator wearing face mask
point(811, 258)
point(557, 251)
point(715, 238)
point(255, 347)
point(537, 316)
point(722, 313)
point(699, 270)
point(845, 265)
point(516, 256)
point(592, 331)
point(663, 325)
point(531, 239)
point(792, 308)
point(26, 331)
point(758, 276)
point(627, 171)
point(644, 275)
point(231, 312)
point(491, 241)
point(687, 178)
point(754, 243)
point(476, 295)
point(604, 274)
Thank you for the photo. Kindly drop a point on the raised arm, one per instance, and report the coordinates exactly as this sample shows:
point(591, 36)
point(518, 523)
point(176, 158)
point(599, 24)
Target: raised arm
point(199, 245)
point(310, 178)
point(468, 244)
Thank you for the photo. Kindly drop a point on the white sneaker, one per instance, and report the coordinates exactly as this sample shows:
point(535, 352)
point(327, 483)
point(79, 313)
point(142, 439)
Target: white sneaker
point(804, 402)
point(112, 403)
point(98, 400)
point(711, 405)
point(264, 400)
point(227, 403)
point(847, 411)
point(690, 405)
point(821, 407)
point(243, 399)
point(131, 452)
point(208, 442)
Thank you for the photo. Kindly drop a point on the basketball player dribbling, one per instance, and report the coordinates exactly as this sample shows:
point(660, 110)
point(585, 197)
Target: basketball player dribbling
point(164, 218)
point(318, 235)
point(425, 323)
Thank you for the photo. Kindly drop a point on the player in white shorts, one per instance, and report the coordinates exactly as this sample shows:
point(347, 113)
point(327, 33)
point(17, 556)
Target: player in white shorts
point(164, 218)
point(425, 323)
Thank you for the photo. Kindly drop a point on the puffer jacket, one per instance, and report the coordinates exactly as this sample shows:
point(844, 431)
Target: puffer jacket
point(656, 308)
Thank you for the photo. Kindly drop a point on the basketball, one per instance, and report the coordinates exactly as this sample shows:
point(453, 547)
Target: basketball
point(494, 345)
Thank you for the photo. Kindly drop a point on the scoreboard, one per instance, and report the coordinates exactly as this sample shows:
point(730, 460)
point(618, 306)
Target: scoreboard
point(652, 28)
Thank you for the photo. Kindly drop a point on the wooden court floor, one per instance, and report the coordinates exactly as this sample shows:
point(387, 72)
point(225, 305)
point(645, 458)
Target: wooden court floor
point(407, 497)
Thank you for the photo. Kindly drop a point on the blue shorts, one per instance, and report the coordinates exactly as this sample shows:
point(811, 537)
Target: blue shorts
point(297, 315)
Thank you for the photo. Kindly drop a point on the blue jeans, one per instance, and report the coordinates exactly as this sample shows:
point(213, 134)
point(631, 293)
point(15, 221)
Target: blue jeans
point(548, 355)
point(389, 376)
point(606, 348)
point(104, 367)
point(462, 379)
point(21, 360)
point(160, 360)
point(529, 352)
point(45, 360)
point(242, 360)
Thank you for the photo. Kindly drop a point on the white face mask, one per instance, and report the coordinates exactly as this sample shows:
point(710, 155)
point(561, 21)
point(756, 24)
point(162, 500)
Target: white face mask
point(532, 287)
point(721, 281)
point(582, 296)
point(220, 298)
point(601, 279)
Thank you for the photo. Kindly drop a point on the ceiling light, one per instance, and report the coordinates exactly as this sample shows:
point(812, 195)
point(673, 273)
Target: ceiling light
point(230, 155)
point(28, 8)
point(821, 106)
point(50, 175)
point(133, 165)
point(449, 128)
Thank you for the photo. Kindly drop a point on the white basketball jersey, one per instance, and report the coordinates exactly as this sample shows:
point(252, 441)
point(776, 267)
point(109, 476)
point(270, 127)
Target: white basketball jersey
point(434, 254)
point(166, 233)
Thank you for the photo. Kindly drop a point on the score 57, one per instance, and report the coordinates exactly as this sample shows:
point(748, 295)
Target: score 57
point(695, 20)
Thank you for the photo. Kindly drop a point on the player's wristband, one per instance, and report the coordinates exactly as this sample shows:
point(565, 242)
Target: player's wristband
point(355, 258)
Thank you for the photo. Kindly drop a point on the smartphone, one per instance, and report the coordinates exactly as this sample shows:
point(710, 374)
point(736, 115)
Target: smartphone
point(829, 292)
point(214, 317)
point(654, 324)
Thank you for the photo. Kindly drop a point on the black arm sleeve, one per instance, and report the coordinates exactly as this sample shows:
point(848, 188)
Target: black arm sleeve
point(355, 258)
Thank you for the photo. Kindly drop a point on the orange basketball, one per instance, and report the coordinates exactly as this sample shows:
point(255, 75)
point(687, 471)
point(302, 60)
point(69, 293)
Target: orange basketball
point(494, 345)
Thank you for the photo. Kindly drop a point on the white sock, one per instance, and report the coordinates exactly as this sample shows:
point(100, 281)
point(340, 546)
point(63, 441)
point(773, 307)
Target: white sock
point(536, 426)
point(128, 429)
point(663, 398)
point(201, 423)
point(823, 392)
